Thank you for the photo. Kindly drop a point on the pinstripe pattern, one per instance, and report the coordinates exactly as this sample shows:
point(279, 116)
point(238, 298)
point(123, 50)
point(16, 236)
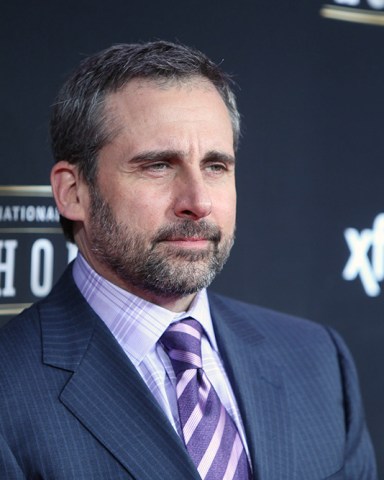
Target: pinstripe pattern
point(73, 407)
point(209, 432)
point(138, 325)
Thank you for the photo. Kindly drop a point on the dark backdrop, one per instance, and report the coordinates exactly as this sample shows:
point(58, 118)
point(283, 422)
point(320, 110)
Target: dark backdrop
point(310, 161)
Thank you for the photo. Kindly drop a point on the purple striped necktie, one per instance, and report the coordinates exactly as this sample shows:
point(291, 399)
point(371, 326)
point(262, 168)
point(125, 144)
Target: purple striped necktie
point(209, 433)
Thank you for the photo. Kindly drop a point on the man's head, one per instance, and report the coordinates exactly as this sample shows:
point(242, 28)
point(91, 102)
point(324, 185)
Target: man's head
point(80, 125)
point(144, 138)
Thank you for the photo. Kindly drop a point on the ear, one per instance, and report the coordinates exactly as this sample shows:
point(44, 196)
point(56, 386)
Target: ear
point(69, 190)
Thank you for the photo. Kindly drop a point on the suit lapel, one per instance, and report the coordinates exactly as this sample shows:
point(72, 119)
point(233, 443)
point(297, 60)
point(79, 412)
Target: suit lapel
point(110, 399)
point(259, 388)
point(105, 392)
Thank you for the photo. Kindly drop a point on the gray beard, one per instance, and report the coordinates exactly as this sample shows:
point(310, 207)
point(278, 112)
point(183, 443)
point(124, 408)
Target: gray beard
point(155, 267)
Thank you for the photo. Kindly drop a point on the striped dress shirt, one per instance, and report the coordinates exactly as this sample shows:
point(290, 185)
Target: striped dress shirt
point(138, 325)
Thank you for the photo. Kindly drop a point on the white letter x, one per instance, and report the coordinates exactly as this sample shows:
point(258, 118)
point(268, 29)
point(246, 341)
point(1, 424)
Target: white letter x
point(358, 263)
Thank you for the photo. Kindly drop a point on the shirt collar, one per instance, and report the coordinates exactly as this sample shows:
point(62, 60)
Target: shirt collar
point(135, 323)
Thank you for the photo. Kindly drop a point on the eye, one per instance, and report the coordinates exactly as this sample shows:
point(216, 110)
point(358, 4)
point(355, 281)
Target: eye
point(217, 167)
point(157, 167)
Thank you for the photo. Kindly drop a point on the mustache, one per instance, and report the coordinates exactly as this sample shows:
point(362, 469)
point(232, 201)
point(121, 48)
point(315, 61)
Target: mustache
point(189, 229)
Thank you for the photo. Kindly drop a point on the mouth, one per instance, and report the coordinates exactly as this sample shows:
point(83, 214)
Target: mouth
point(187, 242)
point(189, 235)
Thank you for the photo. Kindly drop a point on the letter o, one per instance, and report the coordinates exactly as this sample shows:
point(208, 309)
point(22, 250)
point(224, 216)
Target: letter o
point(41, 267)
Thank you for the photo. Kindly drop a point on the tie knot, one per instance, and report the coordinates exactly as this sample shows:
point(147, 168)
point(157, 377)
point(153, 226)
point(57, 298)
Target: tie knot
point(182, 342)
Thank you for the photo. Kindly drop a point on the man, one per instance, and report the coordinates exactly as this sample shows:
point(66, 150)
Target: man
point(129, 369)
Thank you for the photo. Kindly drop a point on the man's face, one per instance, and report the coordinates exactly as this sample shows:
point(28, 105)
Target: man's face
point(162, 214)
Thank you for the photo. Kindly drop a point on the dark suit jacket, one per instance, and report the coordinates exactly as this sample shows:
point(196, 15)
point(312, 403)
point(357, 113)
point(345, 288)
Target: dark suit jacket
point(72, 406)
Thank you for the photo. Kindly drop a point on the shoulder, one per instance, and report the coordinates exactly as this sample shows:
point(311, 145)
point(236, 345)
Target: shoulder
point(268, 322)
point(294, 344)
point(20, 349)
point(24, 325)
point(22, 335)
point(283, 336)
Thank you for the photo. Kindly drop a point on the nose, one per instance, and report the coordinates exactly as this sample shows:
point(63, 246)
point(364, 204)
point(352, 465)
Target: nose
point(193, 200)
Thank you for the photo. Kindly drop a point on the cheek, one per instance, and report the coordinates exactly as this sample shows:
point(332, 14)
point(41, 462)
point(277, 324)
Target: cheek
point(141, 211)
point(226, 210)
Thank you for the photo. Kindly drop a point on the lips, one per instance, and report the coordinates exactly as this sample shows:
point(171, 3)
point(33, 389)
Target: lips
point(187, 239)
point(187, 242)
point(189, 231)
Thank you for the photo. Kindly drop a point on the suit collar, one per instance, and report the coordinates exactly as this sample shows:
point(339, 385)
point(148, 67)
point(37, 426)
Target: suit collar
point(67, 324)
point(105, 392)
point(258, 384)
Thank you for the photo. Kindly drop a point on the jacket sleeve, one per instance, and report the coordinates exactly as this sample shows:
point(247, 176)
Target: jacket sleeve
point(360, 461)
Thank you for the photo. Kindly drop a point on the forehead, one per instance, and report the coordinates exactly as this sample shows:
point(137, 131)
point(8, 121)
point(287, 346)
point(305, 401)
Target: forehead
point(147, 106)
point(142, 94)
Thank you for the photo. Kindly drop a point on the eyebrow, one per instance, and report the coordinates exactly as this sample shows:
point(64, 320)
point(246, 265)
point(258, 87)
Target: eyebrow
point(167, 155)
